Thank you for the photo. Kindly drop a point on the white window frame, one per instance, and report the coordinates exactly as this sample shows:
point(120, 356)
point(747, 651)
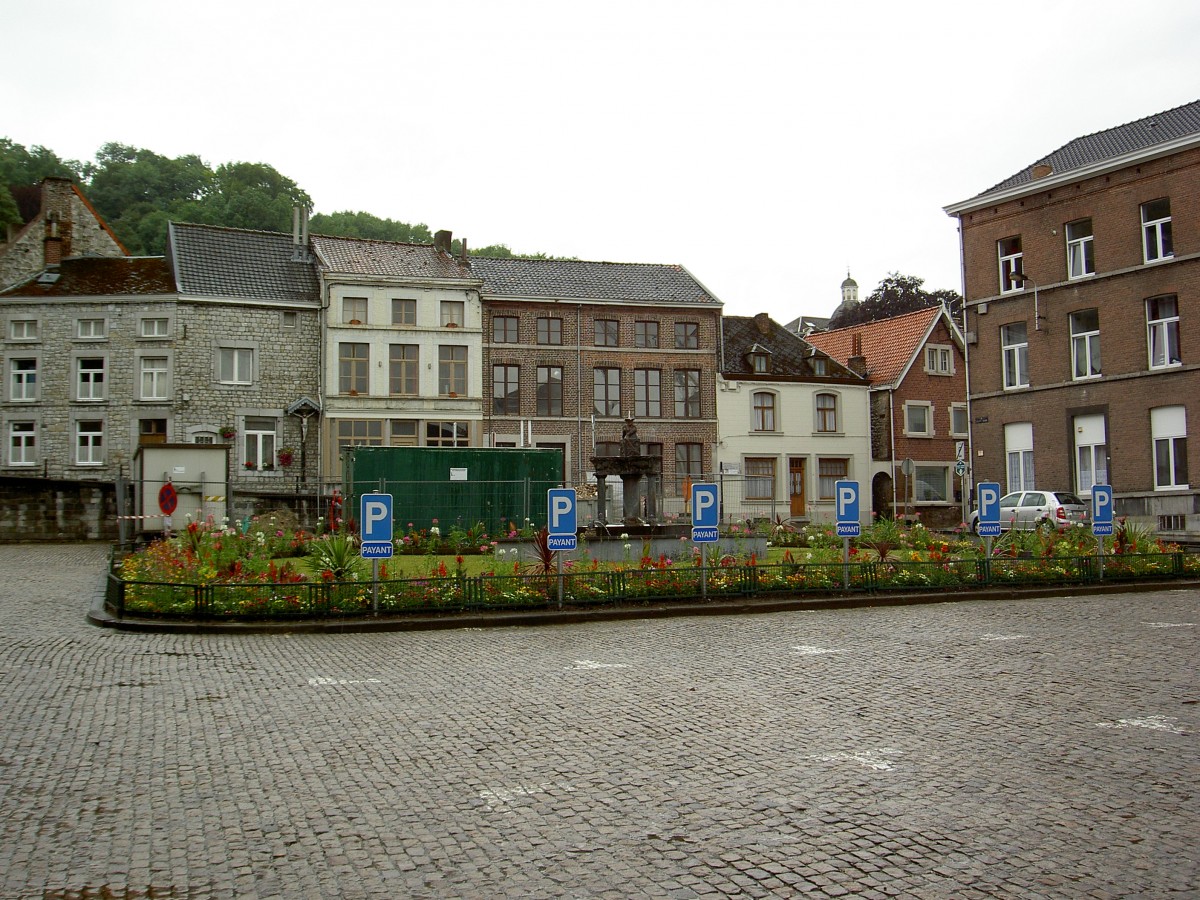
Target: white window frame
point(1081, 260)
point(913, 405)
point(1015, 357)
point(354, 310)
point(149, 327)
point(1162, 335)
point(1085, 346)
point(1156, 233)
point(1168, 431)
point(1018, 456)
point(241, 365)
point(89, 445)
point(1091, 452)
point(453, 313)
point(23, 330)
point(957, 409)
point(939, 359)
point(22, 443)
point(24, 384)
point(1010, 264)
point(91, 383)
point(154, 381)
point(91, 329)
point(259, 440)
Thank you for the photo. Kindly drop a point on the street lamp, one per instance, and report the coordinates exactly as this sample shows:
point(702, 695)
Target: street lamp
point(1021, 278)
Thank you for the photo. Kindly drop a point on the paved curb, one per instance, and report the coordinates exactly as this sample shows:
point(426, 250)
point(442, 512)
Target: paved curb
point(99, 615)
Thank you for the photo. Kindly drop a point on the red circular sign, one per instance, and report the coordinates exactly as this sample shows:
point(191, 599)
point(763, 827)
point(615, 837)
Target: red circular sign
point(167, 498)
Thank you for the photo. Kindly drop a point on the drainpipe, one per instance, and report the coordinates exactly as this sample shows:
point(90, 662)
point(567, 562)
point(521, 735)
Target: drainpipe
point(892, 442)
point(579, 391)
point(969, 481)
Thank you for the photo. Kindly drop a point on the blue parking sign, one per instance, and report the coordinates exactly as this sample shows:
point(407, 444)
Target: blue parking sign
point(988, 493)
point(706, 513)
point(375, 526)
point(562, 519)
point(1102, 510)
point(846, 500)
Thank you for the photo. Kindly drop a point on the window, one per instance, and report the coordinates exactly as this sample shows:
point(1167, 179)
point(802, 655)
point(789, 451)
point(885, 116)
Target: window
point(549, 331)
point(918, 419)
point(89, 442)
point(23, 330)
point(819, 366)
point(22, 443)
point(155, 328)
point(607, 333)
point(404, 312)
point(1018, 451)
point(23, 379)
point(760, 478)
point(236, 365)
point(260, 443)
point(647, 393)
point(929, 484)
point(1009, 251)
point(764, 411)
point(354, 310)
point(827, 413)
point(688, 466)
point(687, 335)
point(687, 394)
point(549, 391)
point(939, 359)
point(1080, 261)
point(760, 363)
point(403, 432)
point(1162, 326)
point(446, 434)
point(452, 370)
point(403, 370)
point(959, 420)
point(1168, 426)
point(606, 392)
point(1091, 452)
point(506, 391)
point(90, 329)
point(152, 431)
point(154, 373)
point(354, 363)
point(90, 378)
point(453, 313)
point(504, 329)
point(359, 433)
point(1014, 342)
point(829, 473)
point(289, 318)
point(645, 334)
point(1085, 344)
point(1156, 230)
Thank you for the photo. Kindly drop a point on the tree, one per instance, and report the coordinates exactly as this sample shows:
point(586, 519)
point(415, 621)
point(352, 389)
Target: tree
point(20, 167)
point(896, 295)
point(365, 225)
point(250, 195)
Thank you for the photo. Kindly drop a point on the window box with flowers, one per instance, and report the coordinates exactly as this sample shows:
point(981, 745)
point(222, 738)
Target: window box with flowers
point(228, 432)
point(287, 455)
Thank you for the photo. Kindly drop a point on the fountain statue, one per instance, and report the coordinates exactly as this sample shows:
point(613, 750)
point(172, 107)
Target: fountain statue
point(633, 468)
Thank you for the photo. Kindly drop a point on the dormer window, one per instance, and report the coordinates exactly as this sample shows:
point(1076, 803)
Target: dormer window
point(759, 360)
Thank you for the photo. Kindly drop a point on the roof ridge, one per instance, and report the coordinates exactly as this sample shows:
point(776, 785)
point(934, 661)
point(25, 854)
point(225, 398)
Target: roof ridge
point(230, 228)
point(917, 312)
point(366, 240)
point(590, 262)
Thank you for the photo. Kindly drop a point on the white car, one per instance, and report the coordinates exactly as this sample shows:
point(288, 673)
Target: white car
point(1026, 510)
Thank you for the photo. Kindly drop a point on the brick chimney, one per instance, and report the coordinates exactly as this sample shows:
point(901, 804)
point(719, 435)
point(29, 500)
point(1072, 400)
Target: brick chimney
point(53, 249)
point(857, 363)
point(441, 241)
point(762, 322)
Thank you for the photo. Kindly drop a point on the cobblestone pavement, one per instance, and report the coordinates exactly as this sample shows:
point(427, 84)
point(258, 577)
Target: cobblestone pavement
point(1025, 748)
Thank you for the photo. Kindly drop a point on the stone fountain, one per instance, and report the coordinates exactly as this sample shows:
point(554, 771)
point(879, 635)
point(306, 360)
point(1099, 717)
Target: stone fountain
point(638, 474)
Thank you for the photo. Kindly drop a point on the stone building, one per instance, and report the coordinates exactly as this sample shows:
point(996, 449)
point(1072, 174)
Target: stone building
point(793, 422)
point(573, 347)
point(1081, 271)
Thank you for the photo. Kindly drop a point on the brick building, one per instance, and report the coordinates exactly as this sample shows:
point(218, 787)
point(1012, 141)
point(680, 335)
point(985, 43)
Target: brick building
point(573, 347)
point(794, 422)
point(917, 369)
point(1081, 271)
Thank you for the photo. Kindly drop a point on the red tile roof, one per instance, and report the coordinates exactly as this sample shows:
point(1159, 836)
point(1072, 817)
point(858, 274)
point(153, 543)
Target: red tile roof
point(888, 345)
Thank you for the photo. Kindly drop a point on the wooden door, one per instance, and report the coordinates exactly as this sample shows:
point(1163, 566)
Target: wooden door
point(796, 486)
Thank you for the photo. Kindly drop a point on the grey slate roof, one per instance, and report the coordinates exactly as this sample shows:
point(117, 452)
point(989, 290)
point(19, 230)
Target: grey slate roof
point(1143, 134)
point(99, 276)
point(239, 264)
point(589, 280)
point(360, 256)
point(791, 355)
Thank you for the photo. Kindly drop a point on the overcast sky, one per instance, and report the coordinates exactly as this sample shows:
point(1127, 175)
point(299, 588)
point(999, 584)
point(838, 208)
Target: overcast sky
point(766, 146)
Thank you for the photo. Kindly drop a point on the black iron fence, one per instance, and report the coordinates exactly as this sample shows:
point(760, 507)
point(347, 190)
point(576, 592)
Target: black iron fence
point(461, 593)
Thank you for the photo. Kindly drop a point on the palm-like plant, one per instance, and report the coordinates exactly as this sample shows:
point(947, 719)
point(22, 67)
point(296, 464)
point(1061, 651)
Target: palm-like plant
point(336, 554)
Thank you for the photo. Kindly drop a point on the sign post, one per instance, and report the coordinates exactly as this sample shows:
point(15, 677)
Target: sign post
point(989, 518)
point(375, 529)
point(562, 523)
point(1102, 518)
point(846, 498)
point(706, 513)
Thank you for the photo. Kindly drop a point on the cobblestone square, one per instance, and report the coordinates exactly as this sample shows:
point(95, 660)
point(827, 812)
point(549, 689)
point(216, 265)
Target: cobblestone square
point(1020, 748)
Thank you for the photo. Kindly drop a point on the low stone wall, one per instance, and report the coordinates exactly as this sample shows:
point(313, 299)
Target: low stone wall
point(34, 509)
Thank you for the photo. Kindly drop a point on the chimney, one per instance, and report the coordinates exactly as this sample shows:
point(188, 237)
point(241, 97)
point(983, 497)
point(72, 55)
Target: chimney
point(52, 253)
point(762, 322)
point(462, 249)
point(856, 344)
point(858, 365)
point(441, 242)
